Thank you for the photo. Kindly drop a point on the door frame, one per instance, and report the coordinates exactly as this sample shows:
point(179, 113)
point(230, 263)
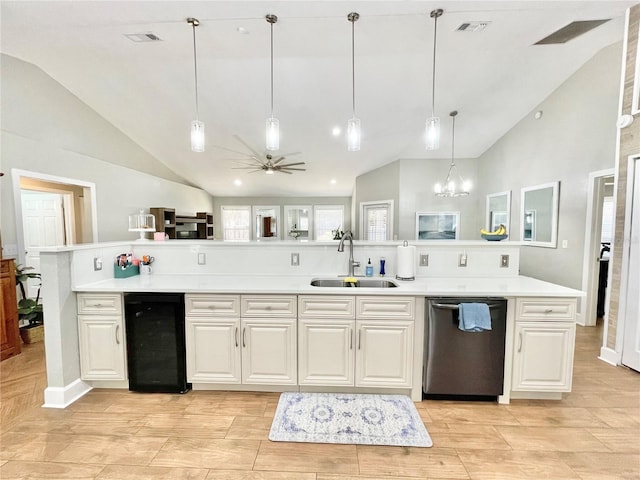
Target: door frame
point(586, 317)
point(633, 164)
point(18, 174)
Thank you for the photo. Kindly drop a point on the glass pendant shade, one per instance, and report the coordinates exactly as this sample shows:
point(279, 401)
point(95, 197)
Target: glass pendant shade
point(353, 134)
point(432, 133)
point(450, 188)
point(273, 133)
point(197, 136)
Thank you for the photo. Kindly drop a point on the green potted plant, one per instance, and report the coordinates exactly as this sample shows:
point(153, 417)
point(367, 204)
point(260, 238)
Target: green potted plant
point(29, 309)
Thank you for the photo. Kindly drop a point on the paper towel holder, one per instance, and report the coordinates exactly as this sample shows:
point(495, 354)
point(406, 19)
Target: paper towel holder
point(405, 244)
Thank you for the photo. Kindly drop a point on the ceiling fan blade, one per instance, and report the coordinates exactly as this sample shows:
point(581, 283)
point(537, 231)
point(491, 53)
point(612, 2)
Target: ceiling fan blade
point(246, 168)
point(244, 154)
point(291, 164)
point(297, 169)
point(291, 154)
point(248, 146)
point(284, 171)
point(275, 162)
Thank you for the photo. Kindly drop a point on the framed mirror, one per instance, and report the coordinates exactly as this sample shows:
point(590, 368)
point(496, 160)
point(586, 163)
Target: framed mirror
point(298, 222)
point(539, 215)
point(498, 211)
point(266, 222)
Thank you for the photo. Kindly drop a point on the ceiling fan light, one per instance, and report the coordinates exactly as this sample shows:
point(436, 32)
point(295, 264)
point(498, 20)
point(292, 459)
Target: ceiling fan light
point(197, 136)
point(353, 134)
point(273, 133)
point(432, 133)
point(269, 171)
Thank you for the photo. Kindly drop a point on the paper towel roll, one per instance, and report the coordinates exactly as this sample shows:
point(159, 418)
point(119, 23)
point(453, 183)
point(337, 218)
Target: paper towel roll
point(406, 262)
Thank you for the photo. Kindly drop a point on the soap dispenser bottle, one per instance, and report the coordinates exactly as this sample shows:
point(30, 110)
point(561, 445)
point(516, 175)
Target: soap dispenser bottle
point(369, 269)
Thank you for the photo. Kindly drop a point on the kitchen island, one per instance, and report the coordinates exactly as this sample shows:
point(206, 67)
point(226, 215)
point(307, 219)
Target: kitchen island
point(540, 315)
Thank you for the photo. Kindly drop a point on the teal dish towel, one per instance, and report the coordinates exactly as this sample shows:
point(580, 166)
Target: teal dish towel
point(474, 317)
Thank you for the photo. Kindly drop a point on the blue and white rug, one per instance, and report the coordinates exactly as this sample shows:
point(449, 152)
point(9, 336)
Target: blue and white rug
point(348, 418)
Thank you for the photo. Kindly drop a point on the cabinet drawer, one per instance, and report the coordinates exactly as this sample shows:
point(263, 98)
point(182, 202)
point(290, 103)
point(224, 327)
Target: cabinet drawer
point(5, 267)
point(99, 303)
point(326, 306)
point(268, 306)
point(546, 309)
point(212, 305)
point(386, 307)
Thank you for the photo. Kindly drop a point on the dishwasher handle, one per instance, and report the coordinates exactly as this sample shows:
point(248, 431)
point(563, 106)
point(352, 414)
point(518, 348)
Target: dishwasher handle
point(453, 306)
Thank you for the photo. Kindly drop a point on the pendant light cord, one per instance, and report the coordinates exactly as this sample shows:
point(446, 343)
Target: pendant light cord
point(193, 22)
point(453, 137)
point(271, 68)
point(353, 68)
point(433, 79)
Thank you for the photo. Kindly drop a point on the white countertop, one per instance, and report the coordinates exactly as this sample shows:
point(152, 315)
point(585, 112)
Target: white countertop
point(262, 284)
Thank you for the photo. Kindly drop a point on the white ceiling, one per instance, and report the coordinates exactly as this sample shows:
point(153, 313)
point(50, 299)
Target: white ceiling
point(493, 78)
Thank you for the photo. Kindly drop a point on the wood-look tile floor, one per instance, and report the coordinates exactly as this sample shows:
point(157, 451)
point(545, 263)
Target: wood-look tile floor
point(593, 433)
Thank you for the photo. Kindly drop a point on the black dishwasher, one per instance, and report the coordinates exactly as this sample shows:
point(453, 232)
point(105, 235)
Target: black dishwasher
point(156, 342)
point(462, 363)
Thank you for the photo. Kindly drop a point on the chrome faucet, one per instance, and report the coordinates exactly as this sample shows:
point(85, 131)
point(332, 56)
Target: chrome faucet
point(352, 264)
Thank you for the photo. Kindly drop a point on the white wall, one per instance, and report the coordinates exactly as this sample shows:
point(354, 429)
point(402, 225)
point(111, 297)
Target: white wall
point(576, 135)
point(46, 129)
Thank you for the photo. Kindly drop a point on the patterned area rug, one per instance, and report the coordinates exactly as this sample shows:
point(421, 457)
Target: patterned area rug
point(348, 418)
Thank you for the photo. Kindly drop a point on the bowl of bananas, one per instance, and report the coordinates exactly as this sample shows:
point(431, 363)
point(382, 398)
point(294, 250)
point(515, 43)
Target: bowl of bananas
point(498, 234)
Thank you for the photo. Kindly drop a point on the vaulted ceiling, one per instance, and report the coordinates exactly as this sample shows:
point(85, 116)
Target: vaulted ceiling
point(493, 77)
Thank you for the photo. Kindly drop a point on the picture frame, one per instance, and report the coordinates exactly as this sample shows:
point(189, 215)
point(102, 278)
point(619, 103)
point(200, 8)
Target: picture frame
point(437, 225)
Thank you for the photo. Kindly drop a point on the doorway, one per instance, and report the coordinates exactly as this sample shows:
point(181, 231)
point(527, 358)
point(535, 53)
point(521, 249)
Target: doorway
point(50, 211)
point(598, 245)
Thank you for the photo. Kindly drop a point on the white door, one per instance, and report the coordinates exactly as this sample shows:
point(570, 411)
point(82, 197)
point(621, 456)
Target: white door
point(213, 350)
point(384, 353)
point(631, 343)
point(42, 220)
point(269, 351)
point(325, 352)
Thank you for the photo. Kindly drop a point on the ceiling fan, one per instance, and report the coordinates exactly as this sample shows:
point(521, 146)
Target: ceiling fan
point(266, 163)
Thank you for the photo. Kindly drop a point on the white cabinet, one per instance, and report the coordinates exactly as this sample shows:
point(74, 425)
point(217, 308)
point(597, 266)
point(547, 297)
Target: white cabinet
point(544, 345)
point(232, 339)
point(101, 337)
point(370, 346)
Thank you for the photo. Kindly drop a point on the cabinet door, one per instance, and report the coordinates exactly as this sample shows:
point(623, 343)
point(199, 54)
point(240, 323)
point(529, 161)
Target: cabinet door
point(543, 357)
point(384, 353)
point(325, 352)
point(269, 351)
point(213, 350)
point(102, 347)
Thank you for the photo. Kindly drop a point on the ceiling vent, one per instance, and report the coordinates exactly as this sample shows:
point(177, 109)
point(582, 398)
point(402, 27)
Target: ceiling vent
point(143, 37)
point(571, 31)
point(472, 26)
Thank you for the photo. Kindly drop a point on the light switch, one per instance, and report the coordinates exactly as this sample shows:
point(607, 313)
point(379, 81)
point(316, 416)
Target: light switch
point(462, 260)
point(504, 261)
point(97, 263)
point(295, 259)
point(202, 258)
point(565, 243)
point(424, 260)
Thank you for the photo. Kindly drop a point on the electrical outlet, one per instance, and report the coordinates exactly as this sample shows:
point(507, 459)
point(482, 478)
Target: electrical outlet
point(504, 261)
point(462, 260)
point(424, 260)
point(295, 259)
point(97, 263)
point(202, 258)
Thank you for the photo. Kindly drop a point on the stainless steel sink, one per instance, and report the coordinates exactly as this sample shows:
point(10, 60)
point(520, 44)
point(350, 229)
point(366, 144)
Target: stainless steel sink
point(361, 282)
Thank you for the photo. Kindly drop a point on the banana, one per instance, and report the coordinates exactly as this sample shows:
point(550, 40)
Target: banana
point(501, 230)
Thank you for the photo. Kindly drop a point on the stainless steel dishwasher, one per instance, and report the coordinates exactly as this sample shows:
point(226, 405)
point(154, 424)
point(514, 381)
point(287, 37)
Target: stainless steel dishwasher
point(460, 363)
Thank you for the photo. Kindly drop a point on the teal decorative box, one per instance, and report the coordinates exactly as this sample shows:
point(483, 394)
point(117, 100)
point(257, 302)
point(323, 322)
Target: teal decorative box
point(125, 272)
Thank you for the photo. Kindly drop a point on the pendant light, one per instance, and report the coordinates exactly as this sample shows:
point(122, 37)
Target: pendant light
point(353, 124)
point(273, 125)
point(450, 187)
point(197, 127)
point(432, 134)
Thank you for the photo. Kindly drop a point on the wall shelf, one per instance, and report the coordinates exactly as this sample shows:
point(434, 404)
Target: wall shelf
point(198, 226)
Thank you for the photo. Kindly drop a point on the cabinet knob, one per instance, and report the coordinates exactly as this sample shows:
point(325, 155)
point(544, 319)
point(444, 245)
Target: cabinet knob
point(548, 310)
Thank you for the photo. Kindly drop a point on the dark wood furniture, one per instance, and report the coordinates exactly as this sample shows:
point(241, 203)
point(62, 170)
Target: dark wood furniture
point(9, 330)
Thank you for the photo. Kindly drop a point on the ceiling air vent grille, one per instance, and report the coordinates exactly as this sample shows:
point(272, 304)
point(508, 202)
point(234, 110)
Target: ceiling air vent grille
point(143, 37)
point(472, 26)
point(571, 31)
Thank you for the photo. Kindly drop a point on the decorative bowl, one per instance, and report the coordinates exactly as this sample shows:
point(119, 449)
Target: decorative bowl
point(493, 238)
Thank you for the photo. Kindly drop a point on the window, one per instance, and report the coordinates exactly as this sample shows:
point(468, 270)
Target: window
point(607, 220)
point(236, 223)
point(328, 218)
point(376, 220)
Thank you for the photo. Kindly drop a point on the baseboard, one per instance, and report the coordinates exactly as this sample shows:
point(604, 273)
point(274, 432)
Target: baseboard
point(62, 397)
point(609, 356)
